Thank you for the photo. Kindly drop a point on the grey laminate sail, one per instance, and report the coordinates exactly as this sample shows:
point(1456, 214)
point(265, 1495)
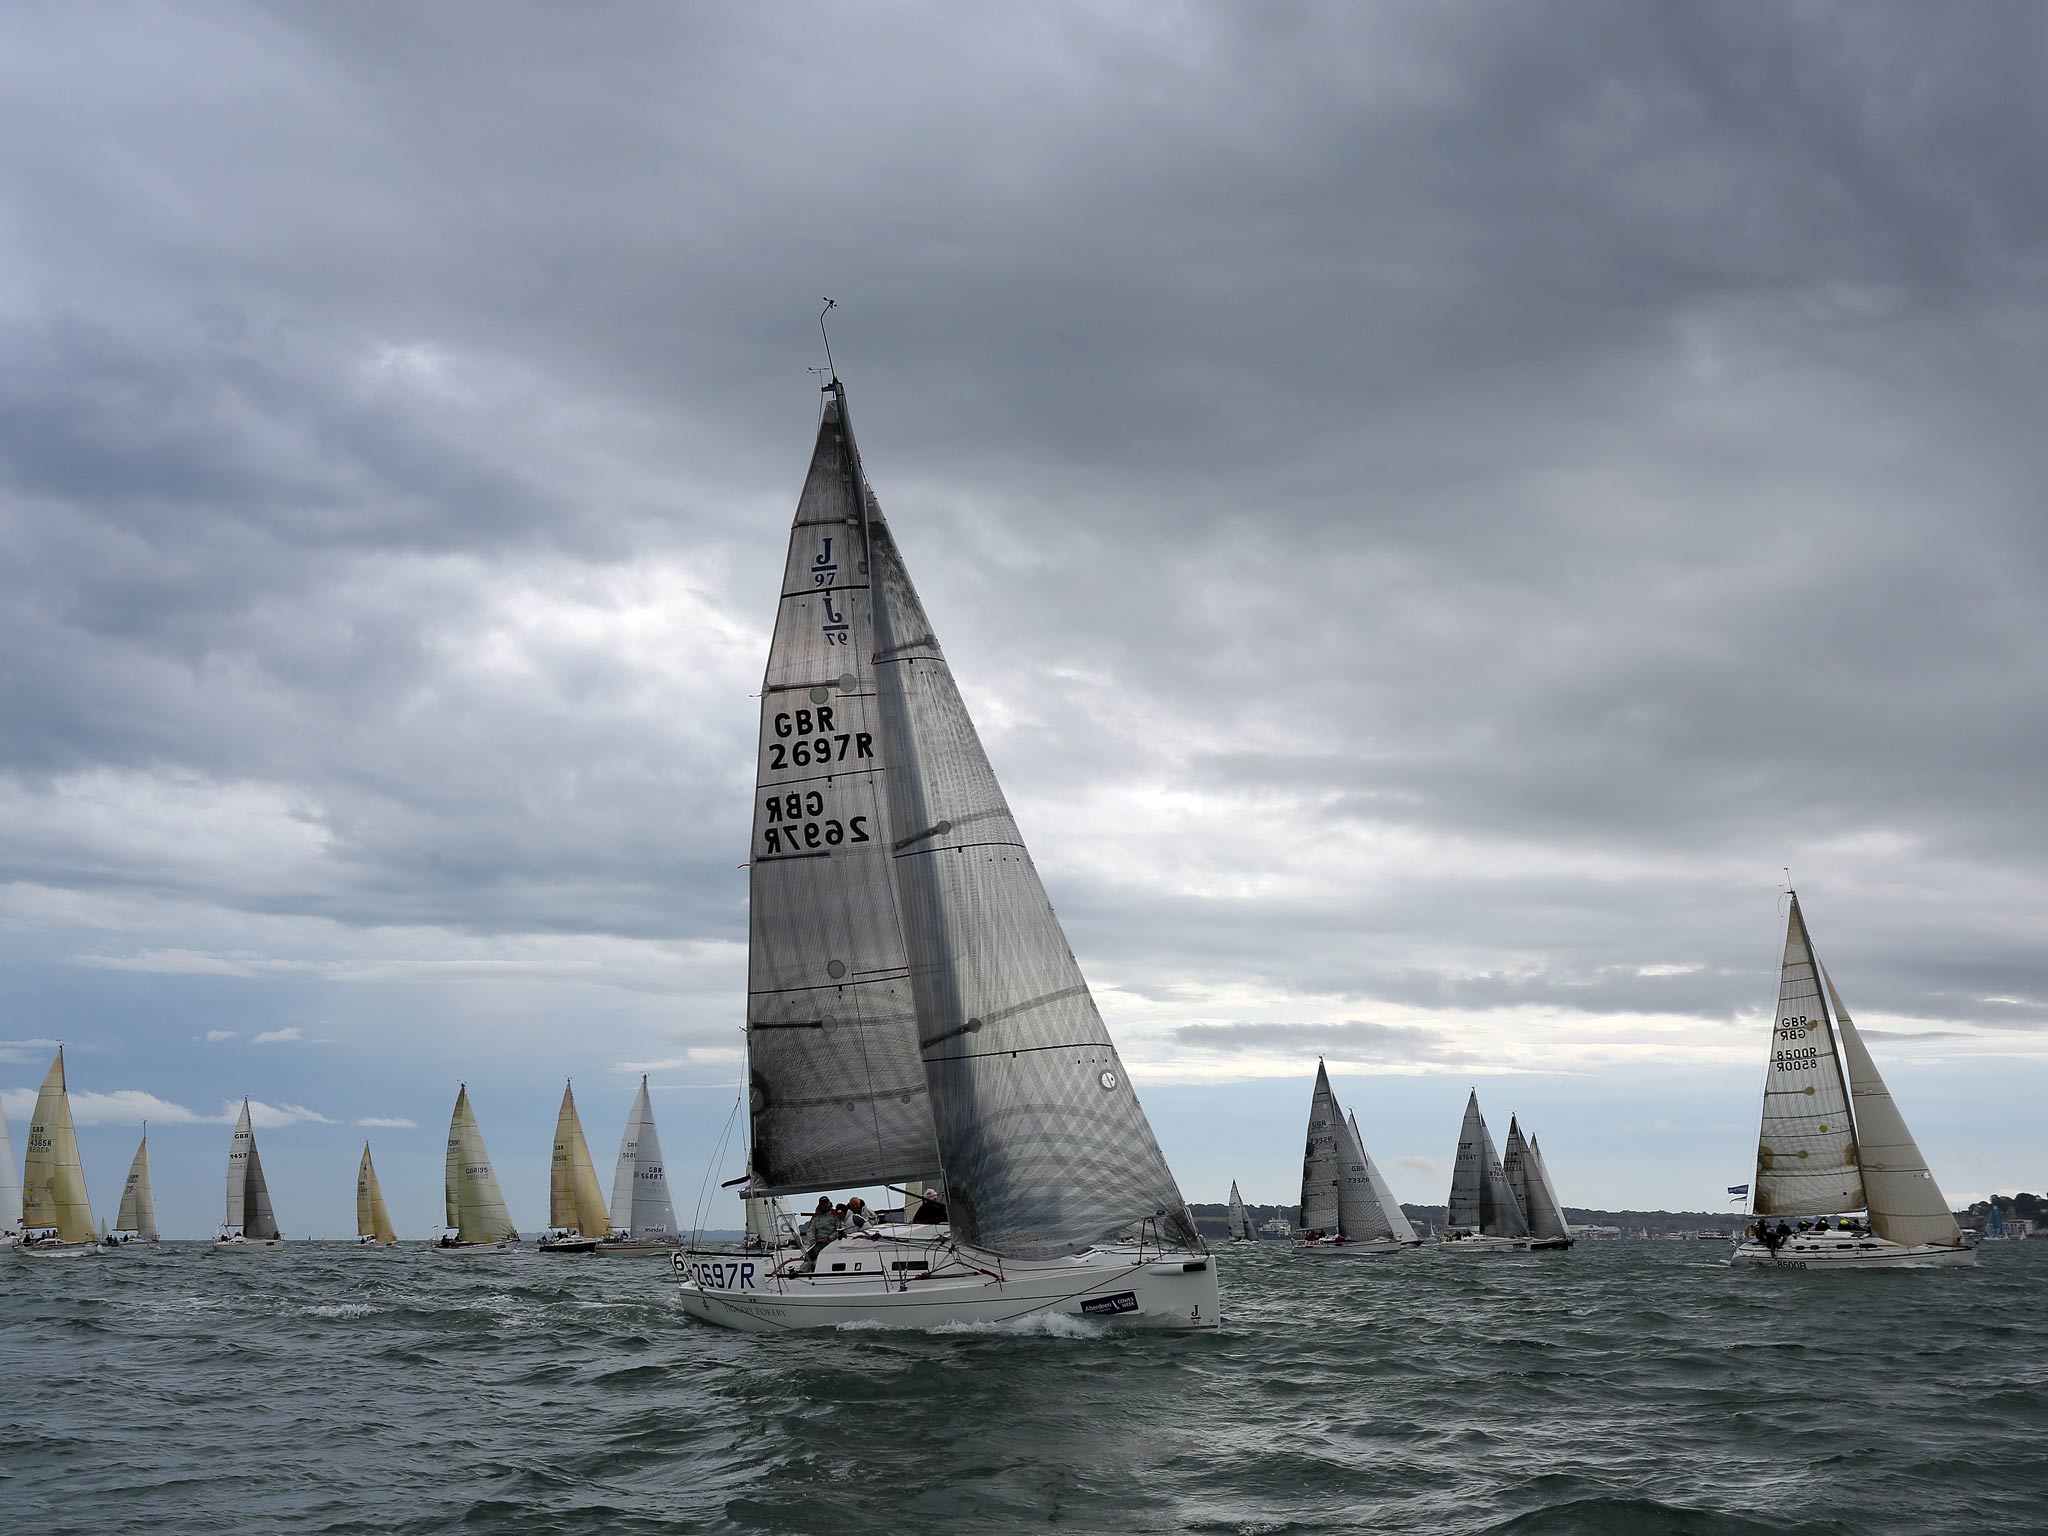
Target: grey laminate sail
point(1546, 1215)
point(837, 1092)
point(1319, 1158)
point(1514, 1157)
point(1398, 1225)
point(1481, 1200)
point(1045, 1147)
point(1240, 1218)
point(1806, 1162)
point(640, 1200)
point(1359, 1216)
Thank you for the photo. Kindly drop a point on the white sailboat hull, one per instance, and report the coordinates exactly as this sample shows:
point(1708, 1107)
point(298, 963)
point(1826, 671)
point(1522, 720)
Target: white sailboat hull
point(505, 1246)
point(1377, 1245)
point(639, 1247)
point(239, 1245)
point(961, 1287)
point(1476, 1242)
point(1848, 1250)
point(52, 1249)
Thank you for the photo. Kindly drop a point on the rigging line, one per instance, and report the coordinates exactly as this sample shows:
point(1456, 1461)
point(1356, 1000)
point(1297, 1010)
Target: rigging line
point(697, 1215)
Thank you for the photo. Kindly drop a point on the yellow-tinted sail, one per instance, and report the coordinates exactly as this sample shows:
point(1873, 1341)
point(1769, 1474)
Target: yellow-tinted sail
point(52, 1183)
point(575, 1198)
point(372, 1219)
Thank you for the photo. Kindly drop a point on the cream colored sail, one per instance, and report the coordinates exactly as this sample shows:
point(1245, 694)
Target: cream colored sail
point(575, 1200)
point(1806, 1162)
point(10, 1183)
point(52, 1182)
point(372, 1219)
point(1905, 1204)
point(479, 1205)
point(138, 1200)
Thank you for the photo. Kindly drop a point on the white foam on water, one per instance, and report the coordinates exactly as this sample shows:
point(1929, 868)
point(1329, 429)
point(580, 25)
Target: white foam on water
point(1043, 1325)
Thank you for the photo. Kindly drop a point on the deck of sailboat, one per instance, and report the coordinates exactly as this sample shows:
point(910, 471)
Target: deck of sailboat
point(1838, 1249)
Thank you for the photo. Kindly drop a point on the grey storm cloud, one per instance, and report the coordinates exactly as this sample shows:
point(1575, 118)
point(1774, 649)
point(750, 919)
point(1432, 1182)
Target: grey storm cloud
point(1357, 1039)
point(1600, 456)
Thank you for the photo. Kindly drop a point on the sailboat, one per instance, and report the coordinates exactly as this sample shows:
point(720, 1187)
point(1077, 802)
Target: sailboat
point(10, 1190)
point(913, 1003)
point(643, 1218)
point(1484, 1214)
point(1398, 1224)
point(475, 1206)
point(1240, 1218)
point(1530, 1182)
point(373, 1221)
point(136, 1221)
point(578, 1218)
point(1833, 1143)
point(1341, 1211)
point(56, 1213)
point(250, 1225)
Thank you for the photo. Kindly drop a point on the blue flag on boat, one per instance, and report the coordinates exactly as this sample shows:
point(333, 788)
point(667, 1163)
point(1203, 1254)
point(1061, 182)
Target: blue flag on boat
point(1738, 1189)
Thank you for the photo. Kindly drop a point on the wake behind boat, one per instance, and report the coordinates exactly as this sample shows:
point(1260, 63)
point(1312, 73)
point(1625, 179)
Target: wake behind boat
point(1833, 1142)
point(249, 1225)
point(1346, 1206)
point(913, 1003)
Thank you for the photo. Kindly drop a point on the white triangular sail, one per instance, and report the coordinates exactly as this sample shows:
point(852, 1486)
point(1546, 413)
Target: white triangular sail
point(373, 1220)
point(1398, 1225)
point(1240, 1218)
point(1540, 1205)
point(767, 1226)
point(248, 1191)
point(138, 1199)
point(576, 1202)
point(837, 1094)
point(1905, 1204)
point(640, 1200)
point(1359, 1216)
point(1320, 1158)
point(1044, 1145)
point(53, 1195)
point(1806, 1163)
point(10, 1183)
point(1481, 1200)
point(473, 1193)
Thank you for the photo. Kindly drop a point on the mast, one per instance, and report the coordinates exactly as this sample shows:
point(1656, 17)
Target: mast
point(1045, 1148)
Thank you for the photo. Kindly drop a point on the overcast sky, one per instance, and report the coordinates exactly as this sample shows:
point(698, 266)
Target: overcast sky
point(1432, 507)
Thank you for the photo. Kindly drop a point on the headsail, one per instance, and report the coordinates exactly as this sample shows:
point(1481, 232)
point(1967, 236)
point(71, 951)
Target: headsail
point(1806, 1162)
point(10, 1183)
point(575, 1201)
point(640, 1201)
point(138, 1199)
point(1359, 1216)
point(1319, 1159)
point(1398, 1225)
point(1481, 1200)
point(1546, 1215)
point(1240, 1218)
point(479, 1205)
point(1905, 1204)
point(836, 1090)
point(1514, 1160)
point(372, 1219)
point(249, 1206)
point(1045, 1147)
point(52, 1182)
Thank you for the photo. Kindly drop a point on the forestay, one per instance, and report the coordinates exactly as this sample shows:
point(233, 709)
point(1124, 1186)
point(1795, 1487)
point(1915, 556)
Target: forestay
point(1319, 1159)
point(53, 1194)
point(1398, 1225)
point(1045, 1147)
point(1906, 1205)
point(640, 1200)
point(837, 1093)
point(1806, 1162)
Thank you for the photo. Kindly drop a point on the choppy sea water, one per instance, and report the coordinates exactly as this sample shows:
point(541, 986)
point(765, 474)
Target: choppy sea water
point(1620, 1387)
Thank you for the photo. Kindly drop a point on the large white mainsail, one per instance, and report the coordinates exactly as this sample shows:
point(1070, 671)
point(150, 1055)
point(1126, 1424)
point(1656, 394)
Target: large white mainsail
point(138, 1199)
point(373, 1220)
point(1481, 1200)
point(477, 1204)
point(836, 1092)
point(1905, 1204)
point(1806, 1161)
point(576, 1202)
point(640, 1206)
point(248, 1191)
point(53, 1195)
point(10, 1185)
point(1045, 1147)
point(1240, 1218)
point(1398, 1225)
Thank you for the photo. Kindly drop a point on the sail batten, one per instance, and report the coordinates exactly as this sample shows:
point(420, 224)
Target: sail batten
point(1906, 1206)
point(1045, 1147)
point(53, 1194)
point(1807, 1162)
point(837, 1093)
